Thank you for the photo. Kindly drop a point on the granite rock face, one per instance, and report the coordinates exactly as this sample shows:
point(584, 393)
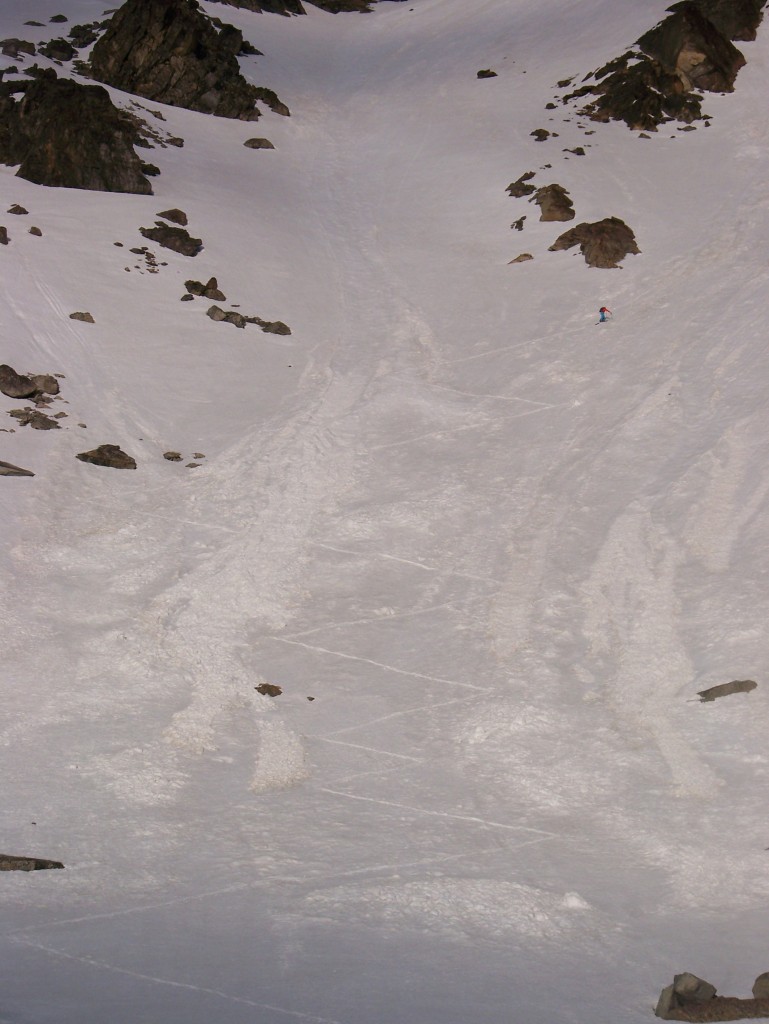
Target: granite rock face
point(171, 52)
point(69, 135)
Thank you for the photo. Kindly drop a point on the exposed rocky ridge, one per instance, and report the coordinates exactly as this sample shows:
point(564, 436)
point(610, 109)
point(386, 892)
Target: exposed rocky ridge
point(661, 78)
point(169, 51)
point(65, 134)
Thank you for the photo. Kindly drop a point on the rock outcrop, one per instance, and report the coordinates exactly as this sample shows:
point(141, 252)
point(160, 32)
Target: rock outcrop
point(554, 203)
point(9, 862)
point(690, 998)
point(724, 689)
point(176, 239)
point(603, 243)
point(170, 52)
point(65, 134)
point(108, 455)
point(661, 78)
point(8, 469)
point(295, 6)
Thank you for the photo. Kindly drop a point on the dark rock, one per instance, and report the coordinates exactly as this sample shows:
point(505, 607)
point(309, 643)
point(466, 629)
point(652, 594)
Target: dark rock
point(689, 50)
point(84, 35)
point(16, 385)
point(540, 134)
point(226, 316)
point(690, 45)
point(285, 7)
point(70, 135)
point(108, 455)
point(258, 144)
point(4, 239)
point(577, 151)
point(58, 18)
point(518, 189)
point(269, 98)
point(761, 986)
point(8, 469)
point(34, 418)
point(486, 73)
point(274, 327)
point(209, 290)
point(517, 225)
point(169, 51)
point(85, 317)
point(554, 203)
point(19, 210)
point(269, 690)
point(734, 19)
point(45, 383)
point(724, 689)
point(177, 239)
point(187, 298)
point(172, 456)
point(58, 49)
point(690, 998)
point(15, 47)
point(603, 243)
point(175, 216)
point(11, 863)
point(37, 24)
point(151, 170)
point(523, 258)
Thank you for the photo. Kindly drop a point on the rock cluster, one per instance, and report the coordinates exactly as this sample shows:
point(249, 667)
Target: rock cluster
point(177, 239)
point(690, 998)
point(660, 79)
point(65, 134)
point(169, 51)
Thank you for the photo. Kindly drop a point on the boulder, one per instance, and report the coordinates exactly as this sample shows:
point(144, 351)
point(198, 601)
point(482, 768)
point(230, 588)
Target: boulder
point(523, 258)
point(734, 19)
point(724, 689)
point(45, 383)
point(170, 52)
point(16, 385)
point(15, 47)
point(520, 188)
point(603, 243)
point(4, 239)
point(554, 203)
point(18, 210)
point(268, 689)
point(8, 469)
point(273, 326)
point(86, 318)
point(34, 418)
point(84, 35)
point(108, 455)
point(486, 73)
point(175, 216)
point(689, 45)
point(8, 862)
point(172, 456)
point(65, 134)
point(761, 986)
point(209, 290)
point(258, 144)
point(177, 239)
point(58, 49)
point(227, 316)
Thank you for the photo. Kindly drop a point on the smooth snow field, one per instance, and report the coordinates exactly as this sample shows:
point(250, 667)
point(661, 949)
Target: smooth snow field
point(489, 551)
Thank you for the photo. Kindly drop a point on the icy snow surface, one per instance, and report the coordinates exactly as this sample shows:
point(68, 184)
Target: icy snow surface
point(501, 547)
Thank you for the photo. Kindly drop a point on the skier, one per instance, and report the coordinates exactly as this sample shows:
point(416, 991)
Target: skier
point(602, 314)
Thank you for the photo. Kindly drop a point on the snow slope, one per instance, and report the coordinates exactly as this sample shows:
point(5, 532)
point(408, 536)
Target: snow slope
point(499, 547)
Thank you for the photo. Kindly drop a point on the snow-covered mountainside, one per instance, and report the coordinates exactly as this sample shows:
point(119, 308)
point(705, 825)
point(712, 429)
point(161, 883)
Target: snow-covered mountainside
point(488, 551)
